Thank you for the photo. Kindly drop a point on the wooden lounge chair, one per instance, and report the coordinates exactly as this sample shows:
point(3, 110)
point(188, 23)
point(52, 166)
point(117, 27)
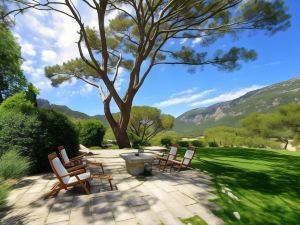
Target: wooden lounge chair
point(185, 162)
point(67, 162)
point(67, 178)
point(71, 177)
point(163, 160)
point(76, 161)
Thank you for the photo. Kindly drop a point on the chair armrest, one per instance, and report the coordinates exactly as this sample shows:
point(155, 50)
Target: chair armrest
point(73, 173)
point(77, 158)
point(75, 168)
point(175, 161)
point(93, 162)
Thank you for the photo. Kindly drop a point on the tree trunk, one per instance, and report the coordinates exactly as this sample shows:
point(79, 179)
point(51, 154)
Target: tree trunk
point(286, 143)
point(120, 131)
point(122, 138)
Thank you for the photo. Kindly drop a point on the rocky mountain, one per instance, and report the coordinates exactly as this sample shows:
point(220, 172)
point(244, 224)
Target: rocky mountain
point(266, 99)
point(42, 103)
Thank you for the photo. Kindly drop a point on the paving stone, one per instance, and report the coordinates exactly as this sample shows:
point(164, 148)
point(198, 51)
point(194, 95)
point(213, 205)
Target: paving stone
point(59, 223)
point(205, 214)
point(155, 204)
point(128, 222)
point(103, 218)
point(121, 211)
point(59, 212)
point(145, 215)
point(167, 218)
point(182, 198)
point(82, 216)
point(176, 207)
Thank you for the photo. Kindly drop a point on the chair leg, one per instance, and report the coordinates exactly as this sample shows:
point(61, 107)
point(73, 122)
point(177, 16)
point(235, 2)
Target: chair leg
point(111, 187)
point(85, 187)
point(102, 168)
point(55, 189)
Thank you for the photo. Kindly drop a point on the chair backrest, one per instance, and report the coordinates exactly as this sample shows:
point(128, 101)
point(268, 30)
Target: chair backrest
point(63, 154)
point(188, 156)
point(58, 168)
point(173, 152)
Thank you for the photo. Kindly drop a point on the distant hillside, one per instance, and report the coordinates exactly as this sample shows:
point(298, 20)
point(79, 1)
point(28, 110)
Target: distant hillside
point(195, 121)
point(42, 103)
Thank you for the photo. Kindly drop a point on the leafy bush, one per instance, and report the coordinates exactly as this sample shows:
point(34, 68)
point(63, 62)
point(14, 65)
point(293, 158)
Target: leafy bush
point(136, 141)
point(4, 190)
point(213, 144)
point(198, 143)
point(13, 166)
point(183, 144)
point(36, 133)
point(91, 132)
point(167, 141)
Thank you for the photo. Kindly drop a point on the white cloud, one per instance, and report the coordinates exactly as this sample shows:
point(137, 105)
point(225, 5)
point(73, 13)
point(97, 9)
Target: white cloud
point(120, 79)
point(184, 98)
point(196, 41)
point(188, 91)
point(49, 56)
point(86, 89)
point(27, 66)
point(183, 41)
point(28, 49)
point(226, 96)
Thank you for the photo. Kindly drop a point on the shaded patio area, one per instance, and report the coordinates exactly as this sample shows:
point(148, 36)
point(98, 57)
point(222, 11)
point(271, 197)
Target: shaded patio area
point(163, 198)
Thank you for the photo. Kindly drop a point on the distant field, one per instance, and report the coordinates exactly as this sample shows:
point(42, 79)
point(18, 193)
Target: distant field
point(266, 182)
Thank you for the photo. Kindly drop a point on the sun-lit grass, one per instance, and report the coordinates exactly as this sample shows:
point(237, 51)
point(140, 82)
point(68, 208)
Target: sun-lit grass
point(195, 220)
point(265, 181)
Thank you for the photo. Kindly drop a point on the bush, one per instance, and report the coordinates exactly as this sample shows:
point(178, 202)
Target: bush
point(199, 144)
point(136, 141)
point(35, 134)
point(183, 144)
point(57, 130)
point(4, 190)
point(91, 132)
point(167, 141)
point(13, 166)
point(213, 144)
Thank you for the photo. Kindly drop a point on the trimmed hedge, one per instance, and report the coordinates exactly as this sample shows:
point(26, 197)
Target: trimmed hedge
point(91, 132)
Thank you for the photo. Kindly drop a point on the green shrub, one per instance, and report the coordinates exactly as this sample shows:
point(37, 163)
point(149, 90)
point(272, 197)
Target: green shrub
point(4, 190)
point(35, 134)
point(167, 141)
point(183, 144)
point(13, 166)
point(213, 144)
point(91, 132)
point(199, 144)
point(136, 141)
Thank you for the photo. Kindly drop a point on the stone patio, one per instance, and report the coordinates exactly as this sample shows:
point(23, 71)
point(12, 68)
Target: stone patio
point(163, 198)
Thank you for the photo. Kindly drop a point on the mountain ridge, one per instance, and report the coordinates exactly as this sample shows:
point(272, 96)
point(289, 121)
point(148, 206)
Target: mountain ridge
point(266, 99)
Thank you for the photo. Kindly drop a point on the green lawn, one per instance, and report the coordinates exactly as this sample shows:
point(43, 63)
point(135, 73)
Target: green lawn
point(267, 183)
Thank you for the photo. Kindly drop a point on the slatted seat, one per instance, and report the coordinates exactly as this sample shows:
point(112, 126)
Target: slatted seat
point(163, 160)
point(185, 162)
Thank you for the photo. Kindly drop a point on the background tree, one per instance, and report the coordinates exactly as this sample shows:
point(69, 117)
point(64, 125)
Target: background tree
point(146, 122)
point(12, 79)
point(137, 40)
point(282, 124)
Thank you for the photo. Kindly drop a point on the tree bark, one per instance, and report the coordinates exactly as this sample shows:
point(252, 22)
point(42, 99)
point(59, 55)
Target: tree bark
point(119, 128)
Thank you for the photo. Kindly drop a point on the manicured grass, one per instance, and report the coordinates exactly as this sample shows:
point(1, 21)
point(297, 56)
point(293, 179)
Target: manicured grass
point(267, 183)
point(195, 220)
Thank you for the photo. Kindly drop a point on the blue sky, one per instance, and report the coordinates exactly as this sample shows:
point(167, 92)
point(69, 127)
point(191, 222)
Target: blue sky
point(47, 40)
